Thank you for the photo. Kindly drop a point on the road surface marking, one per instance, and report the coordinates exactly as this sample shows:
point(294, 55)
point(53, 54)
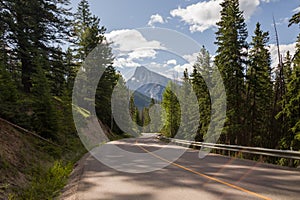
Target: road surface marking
point(205, 176)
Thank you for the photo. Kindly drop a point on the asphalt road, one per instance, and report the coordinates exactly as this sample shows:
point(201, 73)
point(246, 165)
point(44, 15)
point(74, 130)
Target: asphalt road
point(188, 178)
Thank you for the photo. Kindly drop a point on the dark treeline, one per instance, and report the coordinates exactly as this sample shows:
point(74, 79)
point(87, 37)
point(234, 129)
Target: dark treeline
point(37, 71)
point(263, 104)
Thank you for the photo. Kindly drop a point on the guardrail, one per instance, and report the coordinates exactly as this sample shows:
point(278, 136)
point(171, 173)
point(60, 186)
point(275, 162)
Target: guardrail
point(292, 155)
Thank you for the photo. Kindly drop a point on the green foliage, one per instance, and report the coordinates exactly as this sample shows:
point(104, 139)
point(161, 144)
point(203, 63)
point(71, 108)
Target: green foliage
point(230, 60)
point(32, 28)
point(45, 118)
point(8, 95)
point(134, 113)
point(89, 36)
point(259, 91)
point(4, 164)
point(295, 19)
point(47, 185)
point(171, 113)
point(104, 93)
point(202, 69)
point(87, 31)
point(291, 106)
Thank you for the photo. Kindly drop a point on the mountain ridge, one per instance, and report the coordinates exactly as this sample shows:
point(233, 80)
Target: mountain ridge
point(147, 85)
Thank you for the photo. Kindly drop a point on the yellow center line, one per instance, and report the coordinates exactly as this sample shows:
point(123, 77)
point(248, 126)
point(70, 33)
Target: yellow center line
point(205, 176)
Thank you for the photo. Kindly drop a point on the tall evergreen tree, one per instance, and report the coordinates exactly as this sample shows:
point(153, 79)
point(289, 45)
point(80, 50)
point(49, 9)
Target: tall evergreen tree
point(259, 91)
point(44, 118)
point(104, 93)
point(189, 109)
point(230, 60)
point(89, 36)
point(87, 32)
point(8, 94)
point(202, 68)
point(155, 116)
point(33, 27)
point(171, 113)
point(134, 112)
point(291, 108)
point(287, 68)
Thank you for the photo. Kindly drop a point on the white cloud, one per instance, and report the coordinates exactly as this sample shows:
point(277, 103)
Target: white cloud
point(142, 53)
point(172, 62)
point(268, 1)
point(125, 62)
point(180, 68)
point(130, 47)
point(296, 10)
point(249, 7)
point(156, 19)
point(129, 40)
point(199, 16)
point(204, 15)
point(191, 58)
point(283, 50)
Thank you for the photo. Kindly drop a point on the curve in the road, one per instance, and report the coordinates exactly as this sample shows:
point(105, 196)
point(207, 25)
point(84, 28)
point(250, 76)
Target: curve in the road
point(205, 176)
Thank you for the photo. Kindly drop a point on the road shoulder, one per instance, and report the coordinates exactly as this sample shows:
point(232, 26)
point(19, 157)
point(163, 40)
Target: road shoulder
point(70, 190)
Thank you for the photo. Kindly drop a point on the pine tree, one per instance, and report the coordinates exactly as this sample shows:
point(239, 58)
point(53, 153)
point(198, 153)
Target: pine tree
point(8, 90)
point(146, 120)
point(121, 110)
point(280, 122)
point(58, 72)
point(230, 60)
point(287, 68)
point(259, 91)
point(189, 110)
point(295, 19)
point(104, 93)
point(87, 31)
point(33, 27)
point(155, 116)
point(45, 118)
point(88, 37)
point(8, 95)
point(202, 68)
point(291, 109)
point(134, 112)
point(171, 113)
point(71, 69)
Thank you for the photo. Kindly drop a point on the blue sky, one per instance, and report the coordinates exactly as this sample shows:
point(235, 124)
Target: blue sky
point(194, 18)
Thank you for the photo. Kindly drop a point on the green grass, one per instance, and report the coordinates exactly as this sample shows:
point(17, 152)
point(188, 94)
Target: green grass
point(48, 183)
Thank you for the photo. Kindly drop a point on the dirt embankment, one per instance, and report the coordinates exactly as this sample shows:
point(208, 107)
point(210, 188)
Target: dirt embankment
point(19, 157)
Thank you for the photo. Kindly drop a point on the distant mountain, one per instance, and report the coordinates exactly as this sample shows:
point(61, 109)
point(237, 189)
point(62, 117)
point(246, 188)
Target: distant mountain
point(141, 101)
point(144, 94)
point(152, 90)
point(147, 85)
point(143, 76)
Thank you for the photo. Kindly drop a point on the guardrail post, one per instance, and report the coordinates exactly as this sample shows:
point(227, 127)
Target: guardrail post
point(291, 162)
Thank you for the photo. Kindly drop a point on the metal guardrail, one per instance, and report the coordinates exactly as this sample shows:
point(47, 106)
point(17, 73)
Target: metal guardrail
point(294, 155)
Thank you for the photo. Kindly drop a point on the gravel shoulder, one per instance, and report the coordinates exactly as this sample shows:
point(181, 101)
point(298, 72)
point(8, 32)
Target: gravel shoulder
point(70, 190)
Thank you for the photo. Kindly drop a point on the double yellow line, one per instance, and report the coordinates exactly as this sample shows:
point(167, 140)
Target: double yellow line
point(205, 176)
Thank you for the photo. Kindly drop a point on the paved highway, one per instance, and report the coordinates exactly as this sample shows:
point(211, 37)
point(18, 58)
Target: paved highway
point(188, 178)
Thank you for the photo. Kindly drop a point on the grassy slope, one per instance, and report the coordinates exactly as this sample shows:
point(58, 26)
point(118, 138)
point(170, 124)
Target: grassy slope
point(27, 162)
